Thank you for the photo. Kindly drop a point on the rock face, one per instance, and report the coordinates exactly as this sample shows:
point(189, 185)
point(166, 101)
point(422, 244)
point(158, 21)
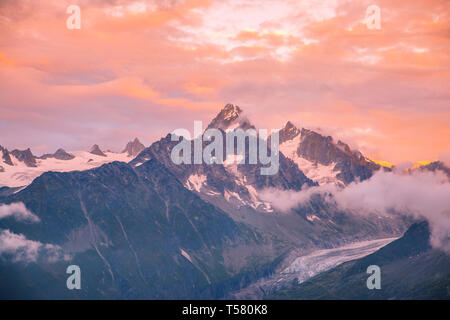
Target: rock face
point(322, 150)
point(133, 148)
point(410, 269)
point(60, 154)
point(97, 151)
point(289, 132)
point(316, 147)
point(230, 117)
point(5, 156)
point(25, 156)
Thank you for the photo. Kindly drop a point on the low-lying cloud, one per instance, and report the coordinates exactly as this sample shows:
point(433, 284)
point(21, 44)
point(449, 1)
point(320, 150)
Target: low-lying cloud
point(422, 195)
point(18, 211)
point(16, 247)
point(20, 249)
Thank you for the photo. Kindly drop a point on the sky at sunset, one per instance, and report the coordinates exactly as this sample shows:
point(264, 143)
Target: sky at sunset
point(144, 68)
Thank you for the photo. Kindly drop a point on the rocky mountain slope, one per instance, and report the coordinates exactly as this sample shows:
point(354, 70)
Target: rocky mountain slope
point(135, 233)
point(322, 159)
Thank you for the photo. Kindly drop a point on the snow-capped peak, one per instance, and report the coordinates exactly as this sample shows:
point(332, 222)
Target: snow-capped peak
point(230, 118)
point(231, 112)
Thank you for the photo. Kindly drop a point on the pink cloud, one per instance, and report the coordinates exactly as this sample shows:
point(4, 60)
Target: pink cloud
point(149, 66)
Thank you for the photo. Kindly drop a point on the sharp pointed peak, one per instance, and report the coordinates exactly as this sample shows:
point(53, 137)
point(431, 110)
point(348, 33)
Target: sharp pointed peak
point(288, 132)
point(133, 148)
point(95, 149)
point(289, 126)
point(229, 116)
point(231, 106)
point(230, 112)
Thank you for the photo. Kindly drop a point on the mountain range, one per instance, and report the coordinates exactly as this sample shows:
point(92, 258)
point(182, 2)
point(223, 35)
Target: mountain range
point(18, 168)
point(146, 228)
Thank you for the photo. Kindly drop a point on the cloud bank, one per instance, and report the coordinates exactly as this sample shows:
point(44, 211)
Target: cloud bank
point(16, 247)
point(20, 249)
point(422, 195)
point(18, 211)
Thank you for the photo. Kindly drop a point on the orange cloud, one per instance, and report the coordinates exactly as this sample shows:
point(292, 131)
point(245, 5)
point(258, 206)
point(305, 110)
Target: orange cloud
point(385, 91)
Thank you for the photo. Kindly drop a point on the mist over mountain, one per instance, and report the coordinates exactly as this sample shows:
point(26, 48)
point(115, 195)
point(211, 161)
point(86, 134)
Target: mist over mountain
point(436, 166)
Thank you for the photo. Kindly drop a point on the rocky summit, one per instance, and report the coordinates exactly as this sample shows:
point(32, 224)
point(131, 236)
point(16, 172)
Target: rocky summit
point(133, 148)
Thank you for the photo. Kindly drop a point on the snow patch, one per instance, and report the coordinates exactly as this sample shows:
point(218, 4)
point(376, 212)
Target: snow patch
point(186, 255)
point(256, 202)
point(20, 175)
point(230, 194)
point(314, 171)
point(312, 218)
point(231, 114)
point(195, 182)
